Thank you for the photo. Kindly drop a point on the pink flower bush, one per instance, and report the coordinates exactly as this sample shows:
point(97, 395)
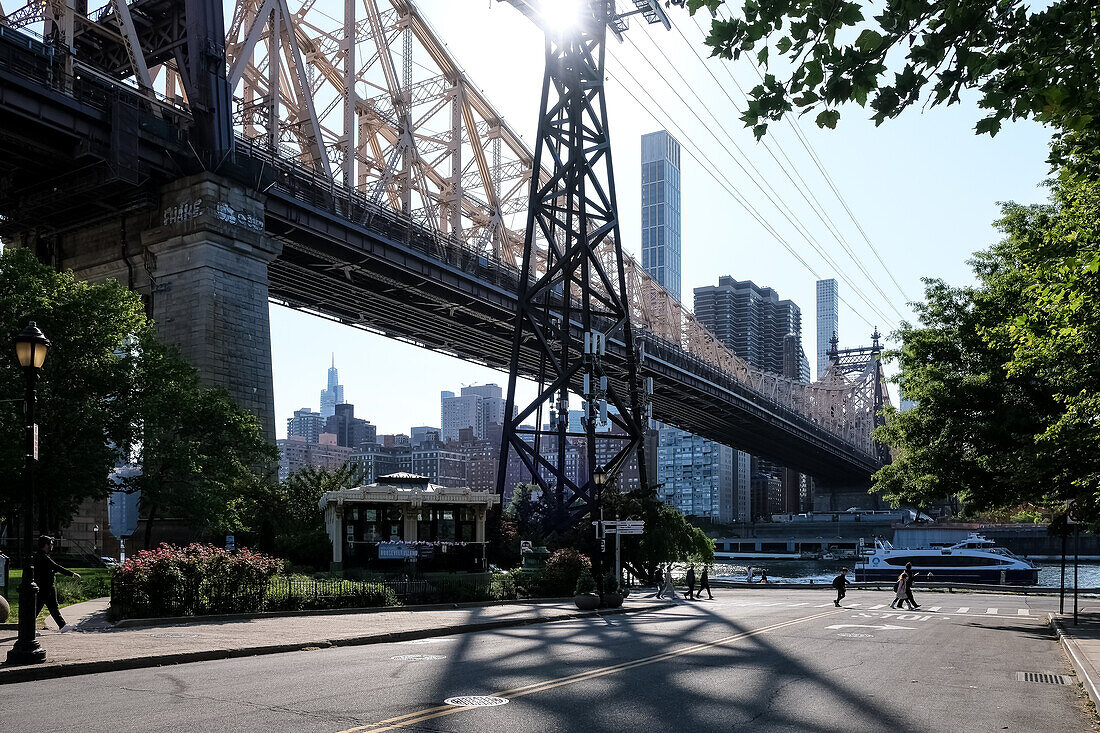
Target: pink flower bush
point(193, 580)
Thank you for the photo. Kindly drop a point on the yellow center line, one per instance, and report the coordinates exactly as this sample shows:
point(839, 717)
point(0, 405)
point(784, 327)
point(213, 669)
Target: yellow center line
point(441, 710)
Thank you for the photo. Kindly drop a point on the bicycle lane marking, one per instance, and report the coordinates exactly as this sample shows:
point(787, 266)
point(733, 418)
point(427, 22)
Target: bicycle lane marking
point(440, 711)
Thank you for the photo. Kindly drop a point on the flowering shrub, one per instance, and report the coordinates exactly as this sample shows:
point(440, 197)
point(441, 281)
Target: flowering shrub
point(190, 581)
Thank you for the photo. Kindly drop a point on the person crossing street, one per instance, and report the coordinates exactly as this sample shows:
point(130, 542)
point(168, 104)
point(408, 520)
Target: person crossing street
point(704, 584)
point(690, 579)
point(840, 582)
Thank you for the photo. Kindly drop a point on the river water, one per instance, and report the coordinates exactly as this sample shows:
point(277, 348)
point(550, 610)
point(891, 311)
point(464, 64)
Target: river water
point(823, 571)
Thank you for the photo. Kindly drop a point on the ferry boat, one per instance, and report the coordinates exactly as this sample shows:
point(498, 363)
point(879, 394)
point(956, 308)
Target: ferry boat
point(974, 560)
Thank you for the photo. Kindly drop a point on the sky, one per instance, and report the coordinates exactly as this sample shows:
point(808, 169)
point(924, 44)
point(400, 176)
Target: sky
point(924, 188)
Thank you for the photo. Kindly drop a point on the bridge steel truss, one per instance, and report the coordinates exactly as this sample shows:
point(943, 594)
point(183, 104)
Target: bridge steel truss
point(575, 214)
point(375, 109)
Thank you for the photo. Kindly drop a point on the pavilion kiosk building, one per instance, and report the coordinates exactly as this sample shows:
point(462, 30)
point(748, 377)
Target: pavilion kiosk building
point(405, 518)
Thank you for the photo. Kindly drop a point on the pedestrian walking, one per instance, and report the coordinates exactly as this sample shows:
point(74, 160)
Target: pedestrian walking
point(704, 584)
point(44, 569)
point(669, 588)
point(691, 581)
point(913, 605)
point(901, 590)
point(749, 574)
point(659, 577)
point(840, 582)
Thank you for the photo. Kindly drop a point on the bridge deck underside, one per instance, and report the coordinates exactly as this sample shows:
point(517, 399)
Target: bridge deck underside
point(451, 302)
point(375, 272)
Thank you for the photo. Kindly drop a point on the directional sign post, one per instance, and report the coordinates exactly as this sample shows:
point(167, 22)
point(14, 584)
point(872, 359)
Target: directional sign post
point(619, 527)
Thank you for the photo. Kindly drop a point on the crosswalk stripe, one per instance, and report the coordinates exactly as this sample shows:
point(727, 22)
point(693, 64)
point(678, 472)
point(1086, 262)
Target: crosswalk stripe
point(822, 605)
point(992, 611)
point(872, 608)
point(796, 605)
point(1023, 612)
point(964, 609)
point(853, 605)
point(935, 608)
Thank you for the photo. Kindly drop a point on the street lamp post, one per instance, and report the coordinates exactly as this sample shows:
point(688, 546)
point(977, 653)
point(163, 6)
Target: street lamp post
point(30, 349)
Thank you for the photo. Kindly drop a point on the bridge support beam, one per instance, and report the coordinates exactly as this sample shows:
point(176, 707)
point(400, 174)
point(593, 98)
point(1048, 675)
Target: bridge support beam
point(211, 286)
point(201, 261)
point(832, 495)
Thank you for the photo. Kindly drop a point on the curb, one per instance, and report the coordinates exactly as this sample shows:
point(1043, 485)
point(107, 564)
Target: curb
point(28, 674)
point(132, 623)
point(1085, 671)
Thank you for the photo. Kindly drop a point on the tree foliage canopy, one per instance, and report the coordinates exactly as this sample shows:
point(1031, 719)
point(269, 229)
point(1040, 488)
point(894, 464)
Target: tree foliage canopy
point(1005, 373)
point(109, 392)
point(1041, 64)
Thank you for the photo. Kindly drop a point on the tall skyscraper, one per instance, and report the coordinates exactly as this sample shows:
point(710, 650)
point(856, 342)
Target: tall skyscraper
point(828, 323)
point(751, 321)
point(333, 395)
point(767, 333)
point(661, 209)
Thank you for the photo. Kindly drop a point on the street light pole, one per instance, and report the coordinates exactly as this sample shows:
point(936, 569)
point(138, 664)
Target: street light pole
point(30, 348)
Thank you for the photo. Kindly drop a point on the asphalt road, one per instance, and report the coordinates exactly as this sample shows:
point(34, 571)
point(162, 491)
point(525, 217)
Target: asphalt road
point(748, 660)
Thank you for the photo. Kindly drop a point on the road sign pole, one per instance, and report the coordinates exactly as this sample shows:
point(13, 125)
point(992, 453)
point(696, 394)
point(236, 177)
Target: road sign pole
point(618, 557)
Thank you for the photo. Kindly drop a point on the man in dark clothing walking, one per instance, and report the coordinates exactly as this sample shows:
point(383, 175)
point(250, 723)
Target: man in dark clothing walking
point(704, 584)
point(909, 586)
point(840, 583)
point(691, 581)
point(44, 569)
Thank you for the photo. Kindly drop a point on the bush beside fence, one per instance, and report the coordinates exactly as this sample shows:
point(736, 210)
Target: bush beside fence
point(203, 580)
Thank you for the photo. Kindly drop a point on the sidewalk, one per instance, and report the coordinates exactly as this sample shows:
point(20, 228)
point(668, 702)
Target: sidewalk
point(1082, 645)
point(99, 647)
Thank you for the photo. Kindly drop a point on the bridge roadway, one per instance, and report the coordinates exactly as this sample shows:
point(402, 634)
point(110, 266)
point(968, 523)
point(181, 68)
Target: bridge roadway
point(89, 149)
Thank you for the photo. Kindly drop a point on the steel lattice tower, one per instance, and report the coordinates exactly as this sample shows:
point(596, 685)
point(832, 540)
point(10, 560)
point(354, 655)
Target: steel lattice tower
point(574, 302)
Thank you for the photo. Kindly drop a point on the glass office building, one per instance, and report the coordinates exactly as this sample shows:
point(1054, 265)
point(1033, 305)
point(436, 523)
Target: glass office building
point(828, 308)
point(661, 209)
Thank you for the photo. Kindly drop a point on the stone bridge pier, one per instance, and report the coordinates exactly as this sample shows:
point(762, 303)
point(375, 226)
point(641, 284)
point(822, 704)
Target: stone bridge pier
point(200, 259)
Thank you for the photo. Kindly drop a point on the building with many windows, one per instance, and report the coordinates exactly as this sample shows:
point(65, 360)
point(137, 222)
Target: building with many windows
point(295, 454)
point(696, 475)
point(305, 424)
point(661, 209)
point(828, 321)
point(475, 407)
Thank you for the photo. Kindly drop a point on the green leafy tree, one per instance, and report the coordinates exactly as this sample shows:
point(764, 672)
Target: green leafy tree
point(1005, 373)
point(202, 456)
point(84, 373)
point(1021, 61)
point(288, 518)
point(668, 537)
point(110, 390)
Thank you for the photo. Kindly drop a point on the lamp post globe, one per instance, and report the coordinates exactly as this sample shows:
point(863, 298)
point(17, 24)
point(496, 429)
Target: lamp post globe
point(31, 346)
point(599, 476)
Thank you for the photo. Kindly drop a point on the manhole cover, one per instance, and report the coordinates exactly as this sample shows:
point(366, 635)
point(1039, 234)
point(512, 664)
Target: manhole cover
point(417, 657)
point(857, 636)
point(1045, 678)
point(174, 635)
point(476, 701)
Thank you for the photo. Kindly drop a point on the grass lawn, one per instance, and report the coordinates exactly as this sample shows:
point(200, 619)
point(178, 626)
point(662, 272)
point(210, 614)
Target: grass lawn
point(93, 583)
